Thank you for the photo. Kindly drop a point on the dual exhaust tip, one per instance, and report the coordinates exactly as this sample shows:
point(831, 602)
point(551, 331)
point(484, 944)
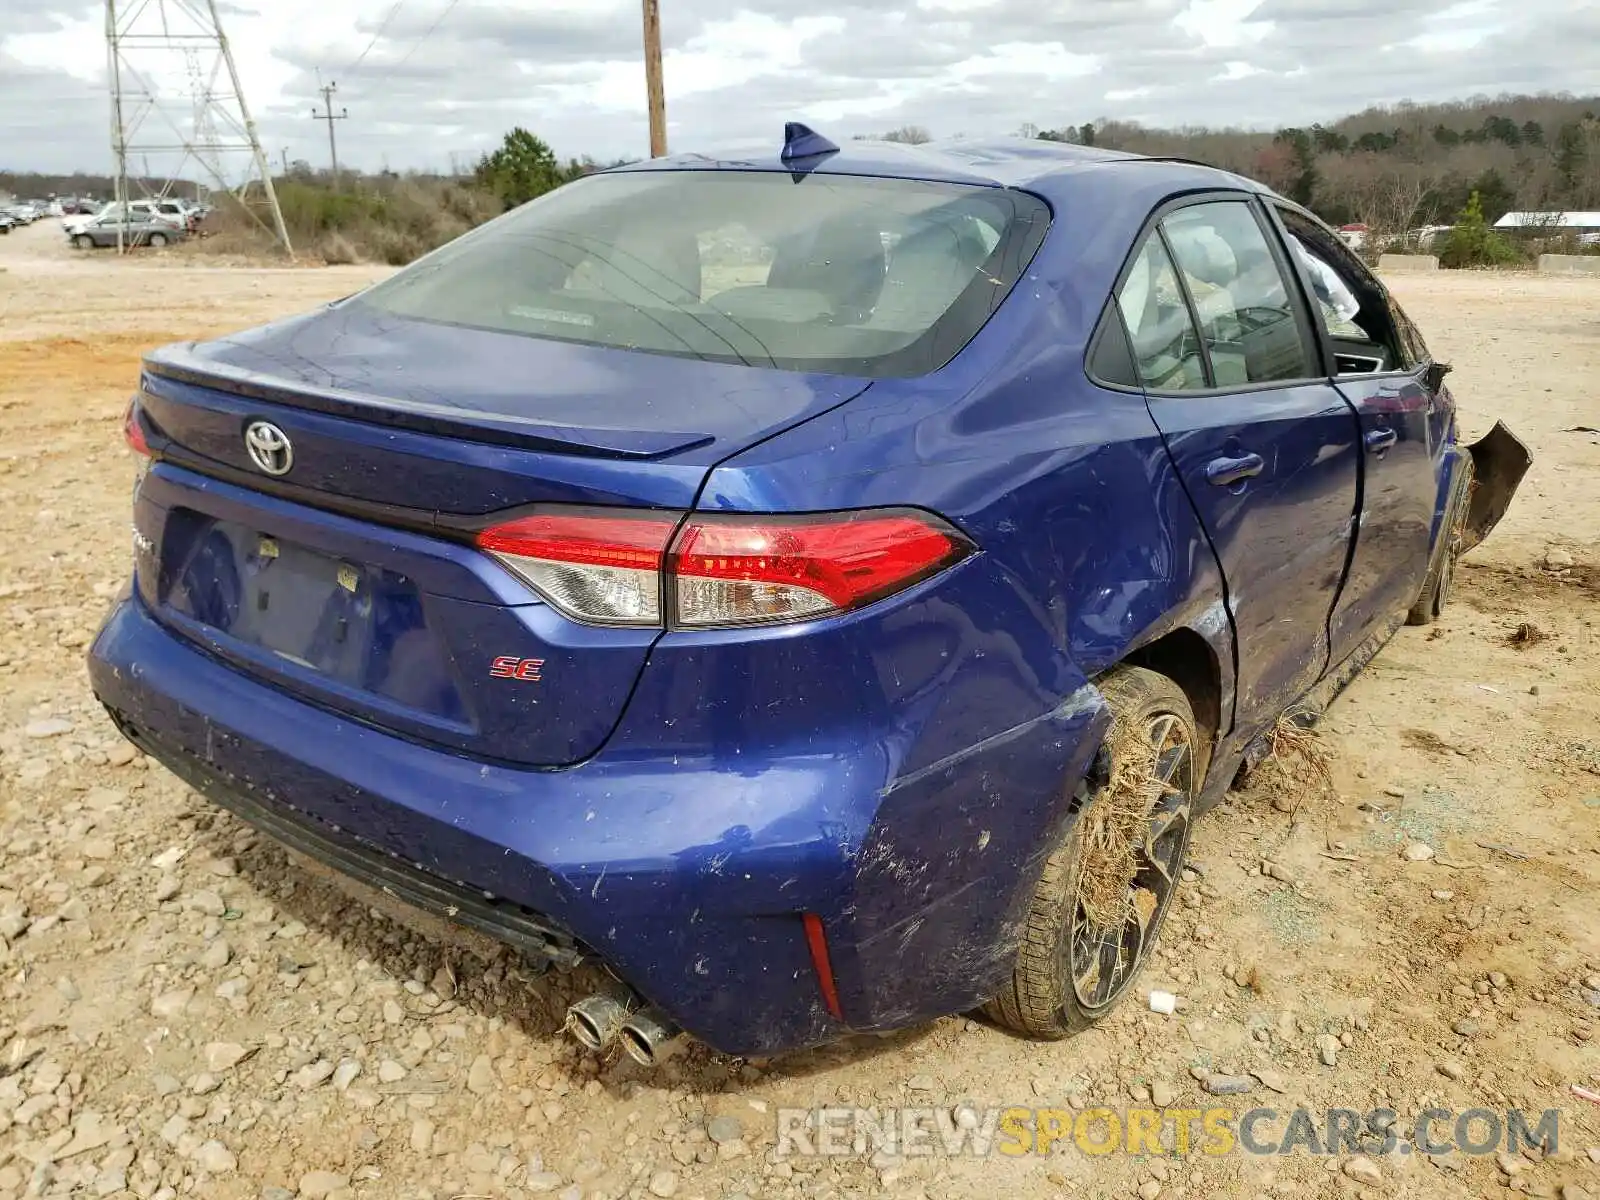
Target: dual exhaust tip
point(647, 1035)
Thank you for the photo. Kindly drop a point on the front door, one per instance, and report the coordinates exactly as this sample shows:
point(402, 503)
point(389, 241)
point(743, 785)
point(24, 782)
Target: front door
point(1381, 368)
point(1268, 449)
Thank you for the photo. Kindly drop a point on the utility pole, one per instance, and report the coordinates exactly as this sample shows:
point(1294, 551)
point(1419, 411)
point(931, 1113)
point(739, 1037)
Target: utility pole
point(327, 114)
point(654, 91)
point(284, 154)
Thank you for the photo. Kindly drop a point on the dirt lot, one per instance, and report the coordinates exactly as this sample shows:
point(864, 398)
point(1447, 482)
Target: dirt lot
point(184, 1011)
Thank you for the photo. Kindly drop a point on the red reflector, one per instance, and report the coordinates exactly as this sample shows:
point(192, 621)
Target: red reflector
point(842, 561)
point(817, 941)
point(636, 543)
point(133, 431)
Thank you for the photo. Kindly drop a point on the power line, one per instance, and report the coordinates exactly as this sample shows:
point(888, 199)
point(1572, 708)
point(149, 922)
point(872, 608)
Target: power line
point(437, 21)
point(383, 25)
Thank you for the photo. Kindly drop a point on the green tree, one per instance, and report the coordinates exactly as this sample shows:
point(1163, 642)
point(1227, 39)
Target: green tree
point(522, 169)
point(1472, 243)
point(1446, 136)
point(1329, 141)
point(1502, 129)
point(1496, 197)
point(1533, 133)
point(1572, 156)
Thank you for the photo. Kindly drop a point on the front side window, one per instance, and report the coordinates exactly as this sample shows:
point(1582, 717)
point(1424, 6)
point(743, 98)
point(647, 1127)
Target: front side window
point(1248, 322)
point(865, 276)
point(1413, 350)
point(1366, 330)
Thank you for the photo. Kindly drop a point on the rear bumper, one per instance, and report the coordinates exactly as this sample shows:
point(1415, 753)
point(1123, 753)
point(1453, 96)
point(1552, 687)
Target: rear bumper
point(688, 877)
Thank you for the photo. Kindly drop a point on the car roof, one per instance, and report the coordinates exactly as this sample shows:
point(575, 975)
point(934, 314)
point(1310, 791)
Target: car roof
point(1032, 164)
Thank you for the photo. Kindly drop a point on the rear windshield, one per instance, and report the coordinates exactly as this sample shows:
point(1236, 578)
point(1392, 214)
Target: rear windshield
point(859, 276)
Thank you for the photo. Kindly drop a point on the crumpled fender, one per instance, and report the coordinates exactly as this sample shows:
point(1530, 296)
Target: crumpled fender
point(1499, 461)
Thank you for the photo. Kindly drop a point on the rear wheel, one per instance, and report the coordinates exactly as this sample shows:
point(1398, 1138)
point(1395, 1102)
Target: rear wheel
point(1106, 887)
point(83, 242)
point(1435, 591)
point(158, 240)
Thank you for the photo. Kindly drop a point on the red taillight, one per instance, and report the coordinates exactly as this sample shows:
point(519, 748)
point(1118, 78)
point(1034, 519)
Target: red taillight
point(133, 431)
point(743, 570)
point(609, 567)
point(604, 568)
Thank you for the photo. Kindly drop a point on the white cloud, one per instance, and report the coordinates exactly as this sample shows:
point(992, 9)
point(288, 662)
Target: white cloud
point(445, 80)
point(1050, 60)
point(1224, 23)
point(1236, 69)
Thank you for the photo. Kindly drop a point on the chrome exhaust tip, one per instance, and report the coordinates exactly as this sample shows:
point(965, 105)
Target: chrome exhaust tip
point(596, 1020)
point(650, 1038)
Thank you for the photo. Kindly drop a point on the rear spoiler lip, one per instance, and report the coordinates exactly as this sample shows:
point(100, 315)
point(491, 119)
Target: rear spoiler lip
point(179, 363)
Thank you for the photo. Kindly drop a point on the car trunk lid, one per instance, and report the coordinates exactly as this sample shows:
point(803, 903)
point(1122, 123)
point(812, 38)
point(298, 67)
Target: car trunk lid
point(350, 579)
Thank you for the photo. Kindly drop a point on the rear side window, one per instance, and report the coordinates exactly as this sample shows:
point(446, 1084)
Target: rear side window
point(862, 276)
point(1241, 299)
point(1166, 349)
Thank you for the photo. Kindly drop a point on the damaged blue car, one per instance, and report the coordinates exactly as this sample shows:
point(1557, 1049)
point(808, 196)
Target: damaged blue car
point(823, 588)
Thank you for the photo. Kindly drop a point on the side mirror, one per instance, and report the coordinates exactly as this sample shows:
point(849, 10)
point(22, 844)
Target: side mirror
point(1435, 375)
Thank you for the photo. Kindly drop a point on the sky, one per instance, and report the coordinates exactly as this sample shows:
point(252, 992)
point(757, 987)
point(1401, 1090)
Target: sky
point(432, 83)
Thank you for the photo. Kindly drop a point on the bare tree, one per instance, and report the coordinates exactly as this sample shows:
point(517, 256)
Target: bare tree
point(911, 135)
point(1382, 192)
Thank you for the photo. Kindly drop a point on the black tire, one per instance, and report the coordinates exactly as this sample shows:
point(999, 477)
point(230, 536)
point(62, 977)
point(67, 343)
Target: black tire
point(156, 240)
point(1435, 591)
point(83, 241)
point(1046, 996)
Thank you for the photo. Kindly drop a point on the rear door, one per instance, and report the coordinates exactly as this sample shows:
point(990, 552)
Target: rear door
point(1267, 448)
point(1406, 430)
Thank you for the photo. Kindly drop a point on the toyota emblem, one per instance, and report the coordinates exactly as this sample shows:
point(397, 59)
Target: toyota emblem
point(268, 447)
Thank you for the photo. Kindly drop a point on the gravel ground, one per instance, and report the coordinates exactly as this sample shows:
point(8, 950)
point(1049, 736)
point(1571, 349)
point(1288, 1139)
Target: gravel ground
point(186, 1010)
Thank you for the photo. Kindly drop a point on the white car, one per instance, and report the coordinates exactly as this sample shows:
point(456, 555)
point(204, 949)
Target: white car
point(79, 218)
point(155, 210)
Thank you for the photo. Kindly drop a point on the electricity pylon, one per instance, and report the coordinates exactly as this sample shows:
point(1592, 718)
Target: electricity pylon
point(151, 45)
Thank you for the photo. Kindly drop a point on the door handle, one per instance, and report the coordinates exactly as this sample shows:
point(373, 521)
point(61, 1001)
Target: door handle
point(1225, 472)
point(1379, 440)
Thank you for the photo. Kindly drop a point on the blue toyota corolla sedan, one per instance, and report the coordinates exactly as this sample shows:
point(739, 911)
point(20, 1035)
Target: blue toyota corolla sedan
point(822, 587)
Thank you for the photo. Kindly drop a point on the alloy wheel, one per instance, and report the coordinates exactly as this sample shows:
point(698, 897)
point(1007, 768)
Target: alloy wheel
point(1106, 952)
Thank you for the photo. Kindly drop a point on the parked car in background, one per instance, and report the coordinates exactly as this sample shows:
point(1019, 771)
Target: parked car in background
point(179, 212)
point(138, 229)
point(822, 587)
point(80, 214)
point(6, 222)
point(140, 211)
